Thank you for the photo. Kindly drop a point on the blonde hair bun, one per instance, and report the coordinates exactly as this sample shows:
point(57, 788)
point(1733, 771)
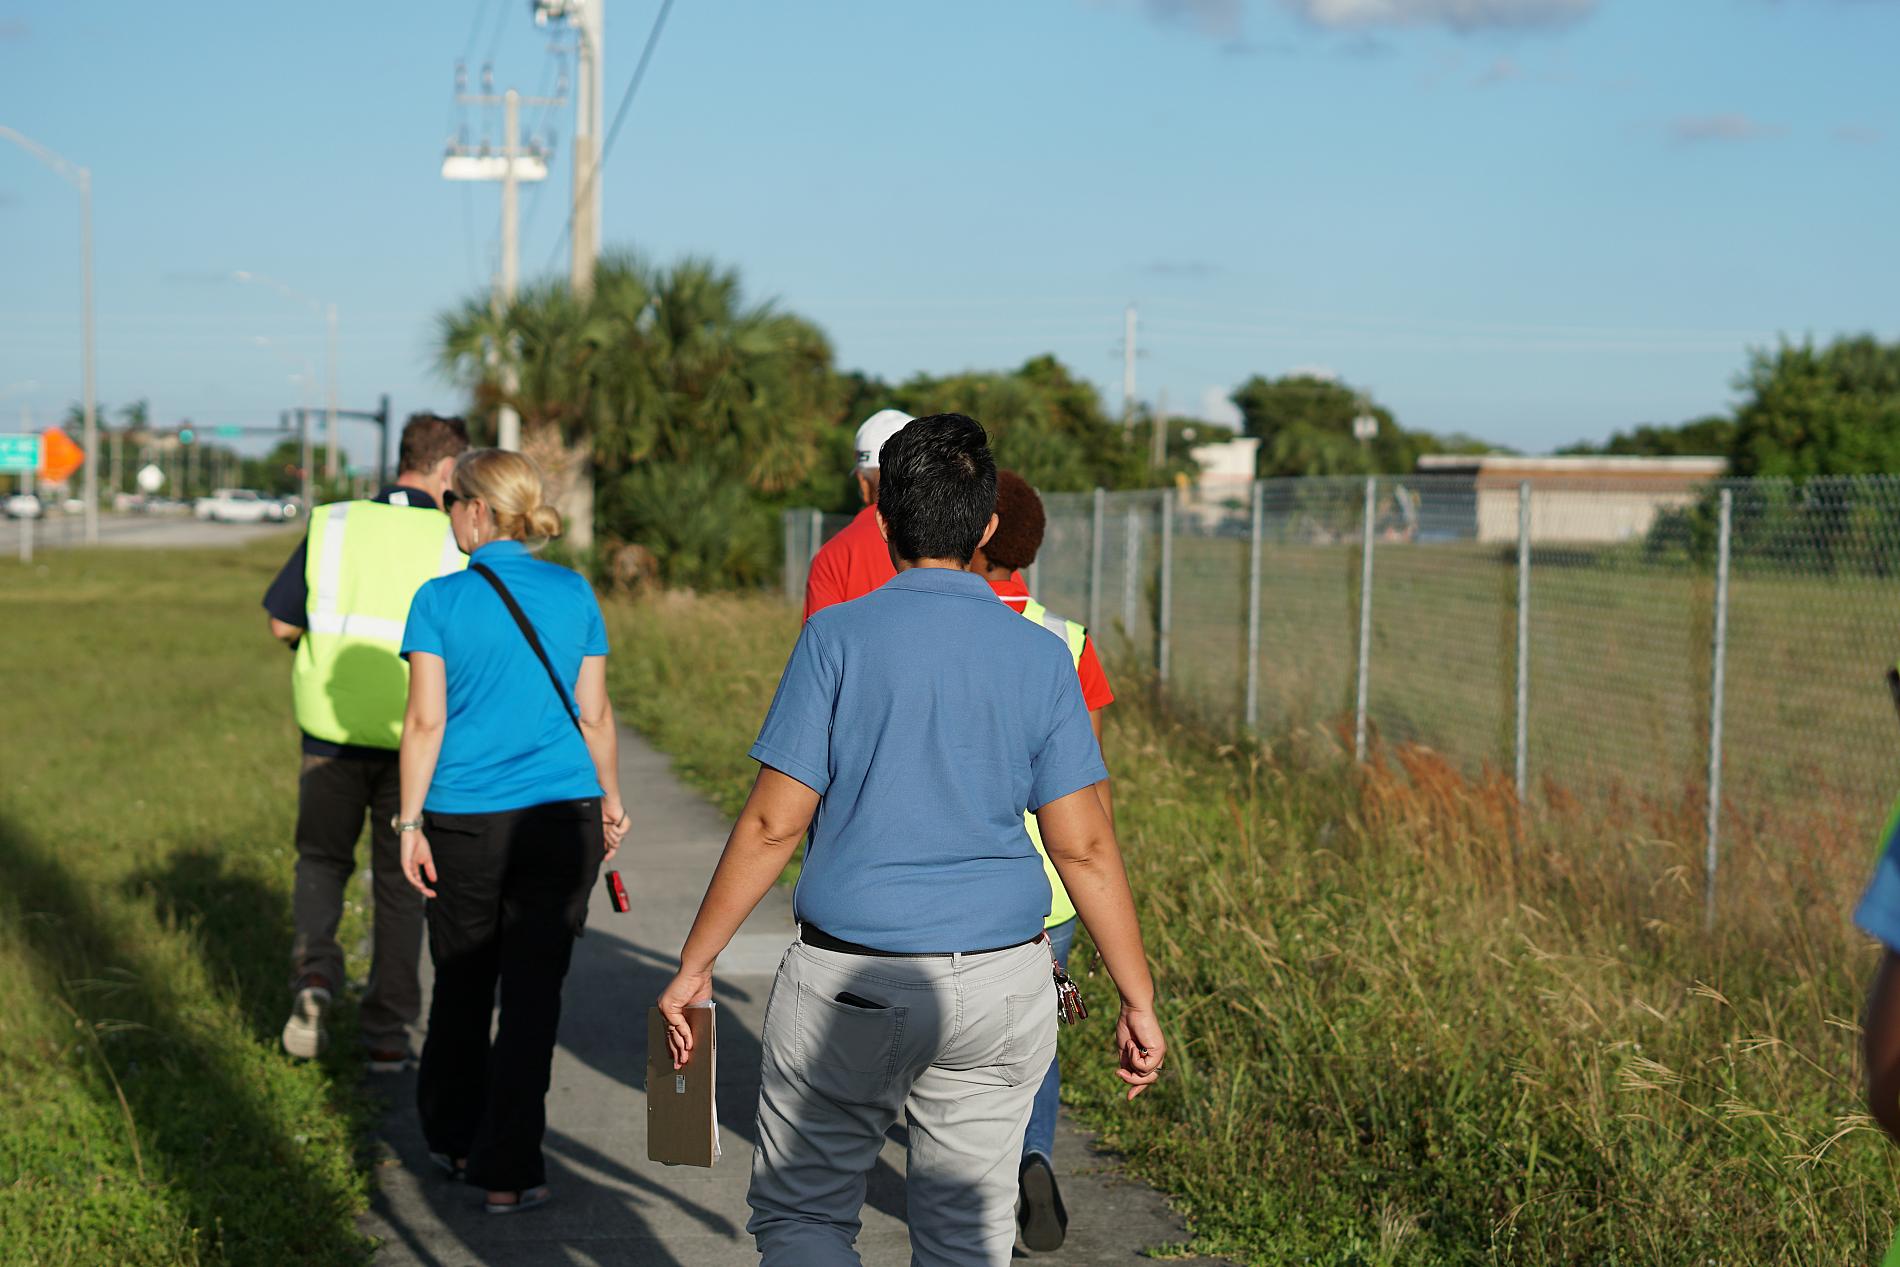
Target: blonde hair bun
point(510, 485)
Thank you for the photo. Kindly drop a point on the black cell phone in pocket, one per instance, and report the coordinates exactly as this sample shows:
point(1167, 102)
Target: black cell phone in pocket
point(852, 1000)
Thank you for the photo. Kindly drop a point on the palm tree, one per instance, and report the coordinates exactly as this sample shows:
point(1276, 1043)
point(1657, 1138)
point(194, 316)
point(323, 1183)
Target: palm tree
point(667, 387)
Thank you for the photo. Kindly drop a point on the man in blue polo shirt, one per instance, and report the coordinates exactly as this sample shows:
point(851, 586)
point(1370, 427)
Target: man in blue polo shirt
point(912, 728)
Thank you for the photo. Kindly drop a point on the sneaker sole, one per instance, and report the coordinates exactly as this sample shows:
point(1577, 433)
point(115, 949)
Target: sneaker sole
point(304, 1036)
point(1042, 1227)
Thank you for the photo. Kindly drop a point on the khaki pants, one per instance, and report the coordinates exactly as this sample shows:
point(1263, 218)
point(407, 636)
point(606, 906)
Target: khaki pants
point(960, 1046)
point(333, 795)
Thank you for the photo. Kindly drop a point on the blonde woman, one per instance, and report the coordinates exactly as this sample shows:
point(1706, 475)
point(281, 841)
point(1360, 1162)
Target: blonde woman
point(510, 803)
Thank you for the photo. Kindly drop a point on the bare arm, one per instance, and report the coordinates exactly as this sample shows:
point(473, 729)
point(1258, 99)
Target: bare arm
point(1082, 846)
point(1880, 1043)
point(762, 842)
point(285, 632)
point(423, 720)
point(1104, 790)
point(603, 745)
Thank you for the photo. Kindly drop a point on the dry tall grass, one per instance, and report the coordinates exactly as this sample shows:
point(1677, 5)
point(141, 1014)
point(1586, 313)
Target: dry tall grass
point(1414, 1026)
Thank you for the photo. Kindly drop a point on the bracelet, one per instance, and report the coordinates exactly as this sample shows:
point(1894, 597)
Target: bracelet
point(403, 825)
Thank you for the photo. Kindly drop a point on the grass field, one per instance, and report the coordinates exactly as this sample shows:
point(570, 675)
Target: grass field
point(1411, 1028)
point(147, 793)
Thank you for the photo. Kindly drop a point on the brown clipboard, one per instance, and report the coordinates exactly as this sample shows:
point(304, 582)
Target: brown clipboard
point(682, 1113)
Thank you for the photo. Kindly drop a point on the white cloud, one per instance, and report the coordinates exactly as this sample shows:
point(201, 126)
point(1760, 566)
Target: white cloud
point(1460, 15)
point(1859, 134)
point(1218, 18)
point(1702, 129)
point(1216, 408)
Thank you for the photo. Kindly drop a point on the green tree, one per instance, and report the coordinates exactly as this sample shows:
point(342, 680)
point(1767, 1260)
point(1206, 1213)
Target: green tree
point(1710, 436)
point(1305, 427)
point(1809, 412)
point(667, 390)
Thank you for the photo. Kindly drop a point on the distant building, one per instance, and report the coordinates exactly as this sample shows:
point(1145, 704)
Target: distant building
point(1227, 470)
point(1581, 499)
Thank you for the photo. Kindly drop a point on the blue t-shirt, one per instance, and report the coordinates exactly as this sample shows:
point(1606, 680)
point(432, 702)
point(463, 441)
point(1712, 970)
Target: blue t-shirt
point(509, 742)
point(928, 716)
point(1879, 909)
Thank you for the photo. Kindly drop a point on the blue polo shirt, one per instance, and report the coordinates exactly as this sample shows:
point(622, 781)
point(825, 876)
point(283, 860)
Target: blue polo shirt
point(509, 742)
point(928, 716)
point(1879, 909)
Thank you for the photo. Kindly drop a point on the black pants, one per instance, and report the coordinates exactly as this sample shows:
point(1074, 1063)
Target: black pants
point(511, 896)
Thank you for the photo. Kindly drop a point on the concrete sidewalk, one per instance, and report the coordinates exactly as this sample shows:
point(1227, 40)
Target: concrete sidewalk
point(611, 1205)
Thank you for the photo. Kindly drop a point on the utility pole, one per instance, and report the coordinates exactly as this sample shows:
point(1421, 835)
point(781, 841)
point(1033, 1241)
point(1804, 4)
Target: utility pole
point(1158, 453)
point(512, 165)
point(329, 410)
point(1128, 368)
point(588, 20)
point(81, 179)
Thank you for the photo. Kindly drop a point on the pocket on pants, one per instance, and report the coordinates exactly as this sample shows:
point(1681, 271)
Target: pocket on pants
point(1032, 1035)
point(847, 1054)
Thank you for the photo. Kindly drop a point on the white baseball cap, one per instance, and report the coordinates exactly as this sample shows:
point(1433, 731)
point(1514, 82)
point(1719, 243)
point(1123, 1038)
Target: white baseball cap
point(875, 430)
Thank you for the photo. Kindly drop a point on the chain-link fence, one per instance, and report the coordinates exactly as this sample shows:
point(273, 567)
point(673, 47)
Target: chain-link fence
point(1719, 645)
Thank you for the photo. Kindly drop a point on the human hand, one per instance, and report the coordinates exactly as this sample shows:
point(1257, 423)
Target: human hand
point(1138, 1037)
point(685, 989)
point(418, 860)
point(613, 824)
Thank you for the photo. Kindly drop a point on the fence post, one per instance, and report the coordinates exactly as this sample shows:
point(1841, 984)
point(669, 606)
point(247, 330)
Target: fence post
point(1098, 522)
point(1256, 541)
point(1523, 639)
point(1131, 573)
point(1164, 623)
point(787, 523)
point(815, 537)
point(1717, 666)
point(1365, 619)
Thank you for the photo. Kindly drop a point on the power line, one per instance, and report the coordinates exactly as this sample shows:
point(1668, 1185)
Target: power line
point(620, 117)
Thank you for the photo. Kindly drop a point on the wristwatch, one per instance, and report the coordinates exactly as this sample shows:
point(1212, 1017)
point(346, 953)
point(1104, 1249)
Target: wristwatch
point(413, 824)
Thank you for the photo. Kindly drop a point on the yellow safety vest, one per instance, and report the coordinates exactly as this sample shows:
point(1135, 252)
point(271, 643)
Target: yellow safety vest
point(1061, 909)
point(363, 564)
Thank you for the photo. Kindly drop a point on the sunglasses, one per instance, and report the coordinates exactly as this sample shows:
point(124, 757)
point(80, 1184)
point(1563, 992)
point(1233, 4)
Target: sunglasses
point(450, 497)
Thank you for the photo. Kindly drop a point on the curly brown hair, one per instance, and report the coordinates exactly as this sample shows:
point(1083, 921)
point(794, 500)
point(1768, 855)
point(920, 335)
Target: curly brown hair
point(1019, 525)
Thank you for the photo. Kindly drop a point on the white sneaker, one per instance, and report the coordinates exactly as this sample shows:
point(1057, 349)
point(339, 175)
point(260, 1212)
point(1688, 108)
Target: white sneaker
point(304, 1035)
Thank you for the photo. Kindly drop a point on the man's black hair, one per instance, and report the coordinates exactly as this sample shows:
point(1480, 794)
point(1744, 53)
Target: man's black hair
point(938, 487)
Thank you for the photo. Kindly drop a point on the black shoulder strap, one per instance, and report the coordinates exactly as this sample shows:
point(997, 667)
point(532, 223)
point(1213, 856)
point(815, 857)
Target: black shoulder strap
point(534, 641)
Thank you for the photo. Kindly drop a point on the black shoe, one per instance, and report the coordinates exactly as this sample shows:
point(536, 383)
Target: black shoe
point(1039, 1211)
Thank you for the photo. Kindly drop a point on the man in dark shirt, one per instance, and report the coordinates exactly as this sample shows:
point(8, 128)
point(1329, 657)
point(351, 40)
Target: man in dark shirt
point(348, 687)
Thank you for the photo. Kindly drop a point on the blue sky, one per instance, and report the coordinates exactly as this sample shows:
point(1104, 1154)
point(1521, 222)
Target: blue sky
point(1533, 220)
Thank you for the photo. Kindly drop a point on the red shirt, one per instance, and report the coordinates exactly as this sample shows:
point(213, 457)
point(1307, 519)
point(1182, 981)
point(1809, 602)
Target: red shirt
point(1095, 691)
point(850, 565)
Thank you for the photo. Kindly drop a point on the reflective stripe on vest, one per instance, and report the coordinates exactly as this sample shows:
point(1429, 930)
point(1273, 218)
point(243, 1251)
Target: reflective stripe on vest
point(363, 564)
point(1061, 909)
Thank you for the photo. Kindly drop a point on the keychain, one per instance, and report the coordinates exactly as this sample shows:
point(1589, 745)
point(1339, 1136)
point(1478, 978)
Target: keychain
point(1069, 1005)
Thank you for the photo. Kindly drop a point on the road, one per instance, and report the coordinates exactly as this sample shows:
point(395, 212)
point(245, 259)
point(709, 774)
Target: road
point(612, 1206)
point(133, 531)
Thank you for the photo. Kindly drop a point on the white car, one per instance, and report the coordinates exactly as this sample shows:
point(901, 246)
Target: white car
point(234, 506)
point(24, 506)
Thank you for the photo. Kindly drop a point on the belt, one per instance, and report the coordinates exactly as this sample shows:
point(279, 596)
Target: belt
point(819, 939)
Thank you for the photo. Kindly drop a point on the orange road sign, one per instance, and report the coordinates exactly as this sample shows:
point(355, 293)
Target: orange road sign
point(59, 456)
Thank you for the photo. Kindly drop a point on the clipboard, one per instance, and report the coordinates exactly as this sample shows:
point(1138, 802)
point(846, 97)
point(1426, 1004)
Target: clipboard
point(682, 1112)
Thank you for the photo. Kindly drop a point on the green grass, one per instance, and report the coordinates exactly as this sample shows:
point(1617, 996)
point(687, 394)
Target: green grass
point(1411, 1027)
point(147, 795)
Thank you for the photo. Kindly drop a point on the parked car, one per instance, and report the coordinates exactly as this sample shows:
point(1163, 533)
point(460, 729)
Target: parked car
point(24, 506)
point(234, 506)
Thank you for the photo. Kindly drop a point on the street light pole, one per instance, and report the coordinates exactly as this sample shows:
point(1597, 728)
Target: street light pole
point(80, 178)
point(328, 313)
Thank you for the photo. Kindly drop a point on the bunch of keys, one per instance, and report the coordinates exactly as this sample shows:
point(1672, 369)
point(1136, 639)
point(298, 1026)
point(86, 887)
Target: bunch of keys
point(1069, 1005)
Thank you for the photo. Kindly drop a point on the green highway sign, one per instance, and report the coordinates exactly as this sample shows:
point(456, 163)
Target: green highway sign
point(19, 453)
point(229, 432)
